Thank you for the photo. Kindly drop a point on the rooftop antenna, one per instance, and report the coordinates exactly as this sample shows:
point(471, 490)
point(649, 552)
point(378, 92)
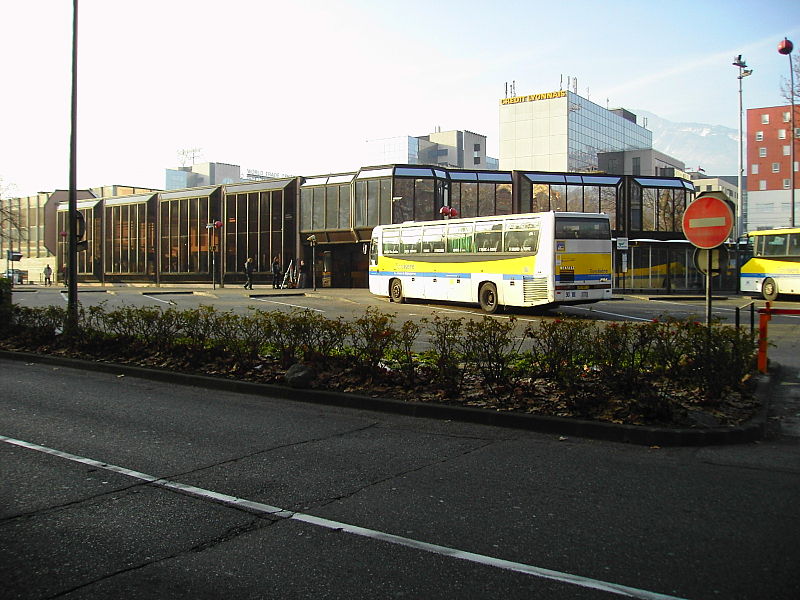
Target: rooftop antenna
point(561, 82)
point(513, 88)
point(606, 103)
point(506, 89)
point(187, 154)
point(574, 85)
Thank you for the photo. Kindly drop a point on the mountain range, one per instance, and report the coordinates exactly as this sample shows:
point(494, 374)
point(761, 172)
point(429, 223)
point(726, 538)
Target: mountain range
point(713, 148)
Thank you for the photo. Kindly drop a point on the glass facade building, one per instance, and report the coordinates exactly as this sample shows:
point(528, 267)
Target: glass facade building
point(170, 237)
point(564, 132)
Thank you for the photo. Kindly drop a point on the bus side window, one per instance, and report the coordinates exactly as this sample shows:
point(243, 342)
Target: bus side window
point(794, 244)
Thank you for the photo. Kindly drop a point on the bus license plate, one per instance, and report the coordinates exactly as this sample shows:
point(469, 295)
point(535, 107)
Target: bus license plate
point(583, 287)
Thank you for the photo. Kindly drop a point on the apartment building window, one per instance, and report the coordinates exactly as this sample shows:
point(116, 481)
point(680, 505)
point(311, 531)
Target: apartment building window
point(477, 160)
point(762, 184)
point(476, 147)
point(786, 184)
point(786, 117)
point(754, 169)
point(781, 134)
point(776, 167)
point(762, 152)
point(759, 136)
point(787, 150)
point(765, 119)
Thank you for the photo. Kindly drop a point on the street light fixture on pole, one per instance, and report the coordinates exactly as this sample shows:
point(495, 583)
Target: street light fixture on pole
point(786, 47)
point(739, 62)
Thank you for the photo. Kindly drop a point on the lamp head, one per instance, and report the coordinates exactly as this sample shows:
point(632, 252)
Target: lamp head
point(738, 61)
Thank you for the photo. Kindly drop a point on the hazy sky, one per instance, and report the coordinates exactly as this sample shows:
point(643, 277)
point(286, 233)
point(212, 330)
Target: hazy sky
point(297, 87)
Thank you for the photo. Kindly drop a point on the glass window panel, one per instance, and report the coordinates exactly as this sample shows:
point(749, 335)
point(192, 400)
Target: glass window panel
point(455, 196)
point(424, 208)
point(332, 207)
point(486, 199)
point(541, 198)
point(306, 202)
point(574, 198)
point(665, 210)
point(361, 204)
point(460, 238)
point(608, 204)
point(649, 199)
point(403, 200)
point(591, 198)
point(503, 195)
point(433, 239)
point(391, 241)
point(558, 198)
point(373, 202)
point(521, 235)
point(488, 236)
point(410, 239)
point(386, 201)
point(344, 206)
point(318, 217)
point(469, 199)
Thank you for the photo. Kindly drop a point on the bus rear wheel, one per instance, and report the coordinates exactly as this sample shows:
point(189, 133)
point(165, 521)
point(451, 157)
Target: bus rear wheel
point(396, 291)
point(487, 296)
point(769, 289)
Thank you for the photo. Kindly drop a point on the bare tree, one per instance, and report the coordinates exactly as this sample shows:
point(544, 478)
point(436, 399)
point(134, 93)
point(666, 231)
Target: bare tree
point(786, 84)
point(10, 222)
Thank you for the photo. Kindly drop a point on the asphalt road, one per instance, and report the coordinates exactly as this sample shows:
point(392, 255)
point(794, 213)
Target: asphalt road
point(117, 487)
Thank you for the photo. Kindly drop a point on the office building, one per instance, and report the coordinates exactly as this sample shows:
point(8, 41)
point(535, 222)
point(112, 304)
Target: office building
point(562, 131)
point(770, 192)
point(454, 149)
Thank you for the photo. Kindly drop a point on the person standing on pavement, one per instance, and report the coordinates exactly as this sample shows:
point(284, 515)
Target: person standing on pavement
point(48, 275)
point(249, 267)
point(276, 273)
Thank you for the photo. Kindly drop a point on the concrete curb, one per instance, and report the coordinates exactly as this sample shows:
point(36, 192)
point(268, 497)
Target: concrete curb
point(649, 436)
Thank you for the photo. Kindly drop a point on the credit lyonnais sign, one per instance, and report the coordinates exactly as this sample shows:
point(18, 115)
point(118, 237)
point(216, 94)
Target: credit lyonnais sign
point(534, 97)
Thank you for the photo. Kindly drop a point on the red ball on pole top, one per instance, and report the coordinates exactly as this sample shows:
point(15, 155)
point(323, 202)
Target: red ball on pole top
point(453, 212)
point(786, 46)
point(445, 211)
point(217, 224)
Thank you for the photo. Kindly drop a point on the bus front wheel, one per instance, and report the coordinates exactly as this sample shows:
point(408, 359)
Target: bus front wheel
point(487, 296)
point(396, 291)
point(769, 289)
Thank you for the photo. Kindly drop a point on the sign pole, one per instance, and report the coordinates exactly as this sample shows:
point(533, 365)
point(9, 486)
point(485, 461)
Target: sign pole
point(709, 279)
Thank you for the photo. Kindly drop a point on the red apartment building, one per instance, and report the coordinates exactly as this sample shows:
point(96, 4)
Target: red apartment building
point(769, 169)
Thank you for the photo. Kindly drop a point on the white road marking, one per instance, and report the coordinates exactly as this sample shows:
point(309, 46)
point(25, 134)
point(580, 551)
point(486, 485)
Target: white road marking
point(585, 582)
point(158, 299)
point(287, 304)
point(602, 312)
point(743, 311)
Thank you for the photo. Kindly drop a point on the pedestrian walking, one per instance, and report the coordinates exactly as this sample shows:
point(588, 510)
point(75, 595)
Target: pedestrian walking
point(48, 275)
point(249, 267)
point(276, 273)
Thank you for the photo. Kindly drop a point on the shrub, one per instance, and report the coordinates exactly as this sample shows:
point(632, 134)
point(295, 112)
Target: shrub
point(446, 354)
point(490, 349)
point(559, 350)
point(371, 337)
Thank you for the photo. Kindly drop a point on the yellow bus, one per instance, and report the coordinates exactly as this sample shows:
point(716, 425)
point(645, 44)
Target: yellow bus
point(775, 266)
point(523, 260)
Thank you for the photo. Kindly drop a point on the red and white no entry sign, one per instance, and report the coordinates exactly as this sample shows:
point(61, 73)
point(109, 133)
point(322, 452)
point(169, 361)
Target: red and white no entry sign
point(707, 222)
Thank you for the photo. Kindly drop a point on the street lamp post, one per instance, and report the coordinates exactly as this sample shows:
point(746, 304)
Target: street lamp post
point(312, 239)
point(739, 62)
point(786, 47)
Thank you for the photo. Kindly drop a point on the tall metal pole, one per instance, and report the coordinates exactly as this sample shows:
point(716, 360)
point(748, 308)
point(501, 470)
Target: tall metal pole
point(786, 47)
point(743, 72)
point(72, 240)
